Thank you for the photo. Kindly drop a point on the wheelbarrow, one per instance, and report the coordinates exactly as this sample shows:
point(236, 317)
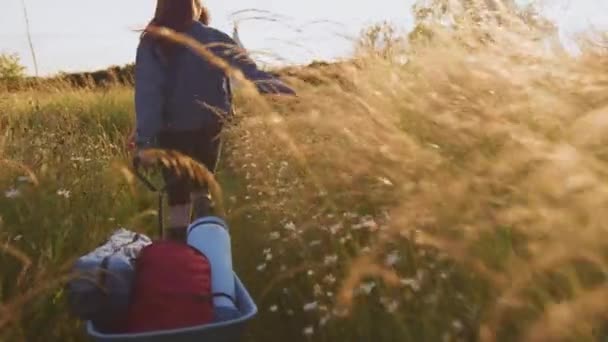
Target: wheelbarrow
point(224, 331)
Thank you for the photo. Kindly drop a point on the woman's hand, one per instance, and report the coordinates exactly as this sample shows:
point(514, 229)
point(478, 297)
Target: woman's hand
point(131, 141)
point(144, 159)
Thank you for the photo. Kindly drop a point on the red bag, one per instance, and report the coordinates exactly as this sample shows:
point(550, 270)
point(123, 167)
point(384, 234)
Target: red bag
point(172, 288)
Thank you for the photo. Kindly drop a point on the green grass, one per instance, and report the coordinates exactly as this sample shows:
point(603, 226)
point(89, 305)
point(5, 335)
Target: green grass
point(74, 141)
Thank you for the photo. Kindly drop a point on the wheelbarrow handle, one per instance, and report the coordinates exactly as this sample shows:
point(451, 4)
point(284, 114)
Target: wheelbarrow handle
point(137, 171)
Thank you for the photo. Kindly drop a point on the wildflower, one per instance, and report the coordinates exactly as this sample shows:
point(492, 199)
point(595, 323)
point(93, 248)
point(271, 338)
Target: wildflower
point(12, 193)
point(412, 283)
point(308, 331)
point(366, 222)
point(275, 236)
point(24, 179)
point(390, 305)
point(350, 215)
point(290, 226)
point(261, 267)
point(392, 258)
point(457, 325)
point(323, 321)
point(310, 273)
point(274, 308)
point(385, 181)
point(330, 279)
point(329, 294)
point(18, 238)
point(315, 243)
point(310, 306)
point(340, 312)
point(365, 249)
point(317, 290)
point(370, 224)
point(367, 287)
point(64, 193)
point(335, 228)
point(330, 259)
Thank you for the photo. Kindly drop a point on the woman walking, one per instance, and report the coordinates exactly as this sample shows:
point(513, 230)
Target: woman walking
point(182, 100)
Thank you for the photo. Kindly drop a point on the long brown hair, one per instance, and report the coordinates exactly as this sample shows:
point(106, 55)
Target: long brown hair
point(177, 15)
point(204, 18)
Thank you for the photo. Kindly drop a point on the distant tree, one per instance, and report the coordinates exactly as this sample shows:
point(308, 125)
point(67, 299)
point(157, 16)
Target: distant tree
point(11, 69)
point(454, 14)
point(381, 39)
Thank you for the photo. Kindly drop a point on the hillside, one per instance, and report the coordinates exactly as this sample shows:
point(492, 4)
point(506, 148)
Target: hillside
point(314, 73)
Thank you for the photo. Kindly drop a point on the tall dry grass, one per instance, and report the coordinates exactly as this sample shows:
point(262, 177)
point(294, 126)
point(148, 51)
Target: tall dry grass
point(488, 145)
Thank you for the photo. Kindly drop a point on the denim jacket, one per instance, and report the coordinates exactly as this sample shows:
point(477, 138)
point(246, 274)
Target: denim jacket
point(190, 92)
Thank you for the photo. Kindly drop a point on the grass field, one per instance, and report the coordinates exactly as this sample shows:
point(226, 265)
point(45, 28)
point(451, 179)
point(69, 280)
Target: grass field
point(458, 197)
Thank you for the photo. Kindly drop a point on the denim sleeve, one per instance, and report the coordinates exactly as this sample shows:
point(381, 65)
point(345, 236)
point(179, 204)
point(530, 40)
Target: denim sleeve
point(266, 83)
point(149, 99)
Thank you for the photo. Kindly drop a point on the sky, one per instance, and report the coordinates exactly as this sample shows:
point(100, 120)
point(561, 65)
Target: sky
point(82, 35)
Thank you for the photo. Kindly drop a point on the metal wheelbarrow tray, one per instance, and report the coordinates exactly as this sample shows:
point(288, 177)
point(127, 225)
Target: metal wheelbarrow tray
point(226, 331)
